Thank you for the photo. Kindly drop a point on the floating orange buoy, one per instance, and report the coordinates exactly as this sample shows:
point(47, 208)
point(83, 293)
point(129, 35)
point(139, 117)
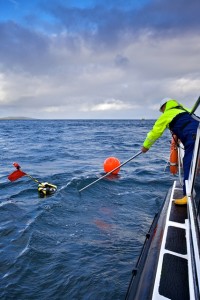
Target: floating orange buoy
point(111, 163)
point(173, 155)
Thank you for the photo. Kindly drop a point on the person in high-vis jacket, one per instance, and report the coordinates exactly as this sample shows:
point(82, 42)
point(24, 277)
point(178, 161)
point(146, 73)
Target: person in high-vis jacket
point(178, 119)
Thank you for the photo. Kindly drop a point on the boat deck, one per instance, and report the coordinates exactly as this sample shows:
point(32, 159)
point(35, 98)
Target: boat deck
point(169, 263)
point(171, 280)
point(162, 268)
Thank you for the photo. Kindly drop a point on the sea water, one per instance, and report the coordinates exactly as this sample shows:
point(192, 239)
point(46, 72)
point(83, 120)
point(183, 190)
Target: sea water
point(74, 245)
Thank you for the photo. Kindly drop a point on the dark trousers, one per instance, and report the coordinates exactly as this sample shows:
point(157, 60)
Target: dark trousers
point(185, 127)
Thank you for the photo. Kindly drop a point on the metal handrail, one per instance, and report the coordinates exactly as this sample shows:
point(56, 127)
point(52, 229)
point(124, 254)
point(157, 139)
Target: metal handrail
point(180, 165)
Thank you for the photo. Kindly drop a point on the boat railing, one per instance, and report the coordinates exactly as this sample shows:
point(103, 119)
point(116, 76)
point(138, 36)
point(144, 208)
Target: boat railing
point(193, 184)
point(193, 193)
point(180, 162)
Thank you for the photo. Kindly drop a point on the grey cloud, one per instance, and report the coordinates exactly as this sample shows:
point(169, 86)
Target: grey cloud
point(121, 61)
point(88, 56)
point(22, 48)
point(106, 25)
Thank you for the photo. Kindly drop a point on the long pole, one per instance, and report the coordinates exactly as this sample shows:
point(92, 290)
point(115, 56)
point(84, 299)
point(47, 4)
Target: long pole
point(110, 171)
point(195, 106)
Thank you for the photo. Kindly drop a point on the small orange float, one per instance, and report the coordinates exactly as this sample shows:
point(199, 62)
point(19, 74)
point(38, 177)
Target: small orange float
point(173, 160)
point(110, 164)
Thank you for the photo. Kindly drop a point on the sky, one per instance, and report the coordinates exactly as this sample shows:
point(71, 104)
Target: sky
point(96, 59)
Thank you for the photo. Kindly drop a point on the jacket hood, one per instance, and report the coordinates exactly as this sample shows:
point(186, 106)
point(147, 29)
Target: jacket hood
point(170, 104)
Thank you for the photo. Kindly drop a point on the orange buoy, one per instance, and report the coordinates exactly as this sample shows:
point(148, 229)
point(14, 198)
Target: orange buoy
point(173, 160)
point(111, 163)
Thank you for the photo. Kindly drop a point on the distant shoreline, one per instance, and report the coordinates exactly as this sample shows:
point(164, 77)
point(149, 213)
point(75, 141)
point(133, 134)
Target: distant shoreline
point(17, 118)
point(35, 119)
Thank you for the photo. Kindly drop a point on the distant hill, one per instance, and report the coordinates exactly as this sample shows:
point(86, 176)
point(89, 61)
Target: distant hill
point(16, 118)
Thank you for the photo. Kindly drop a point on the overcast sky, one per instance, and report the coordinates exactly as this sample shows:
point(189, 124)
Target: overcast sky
point(97, 59)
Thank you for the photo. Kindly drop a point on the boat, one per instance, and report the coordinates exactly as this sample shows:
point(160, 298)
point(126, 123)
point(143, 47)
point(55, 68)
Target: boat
point(169, 263)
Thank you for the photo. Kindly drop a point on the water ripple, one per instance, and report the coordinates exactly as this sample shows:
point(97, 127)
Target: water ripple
point(75, 245)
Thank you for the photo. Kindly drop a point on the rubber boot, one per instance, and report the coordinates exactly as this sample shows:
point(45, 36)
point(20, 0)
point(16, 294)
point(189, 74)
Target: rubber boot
point(182, 201)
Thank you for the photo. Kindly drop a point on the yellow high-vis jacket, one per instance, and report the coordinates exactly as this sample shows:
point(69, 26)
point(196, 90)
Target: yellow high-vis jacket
point(173, 108)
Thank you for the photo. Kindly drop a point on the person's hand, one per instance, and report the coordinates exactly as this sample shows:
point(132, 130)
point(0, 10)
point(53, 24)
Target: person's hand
point(144, 150)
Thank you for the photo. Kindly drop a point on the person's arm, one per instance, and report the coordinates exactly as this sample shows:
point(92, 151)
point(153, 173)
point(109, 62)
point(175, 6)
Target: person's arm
point(155, 133)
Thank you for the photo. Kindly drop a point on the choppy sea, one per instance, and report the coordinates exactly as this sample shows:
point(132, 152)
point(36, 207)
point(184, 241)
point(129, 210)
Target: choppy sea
point(74, 245)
